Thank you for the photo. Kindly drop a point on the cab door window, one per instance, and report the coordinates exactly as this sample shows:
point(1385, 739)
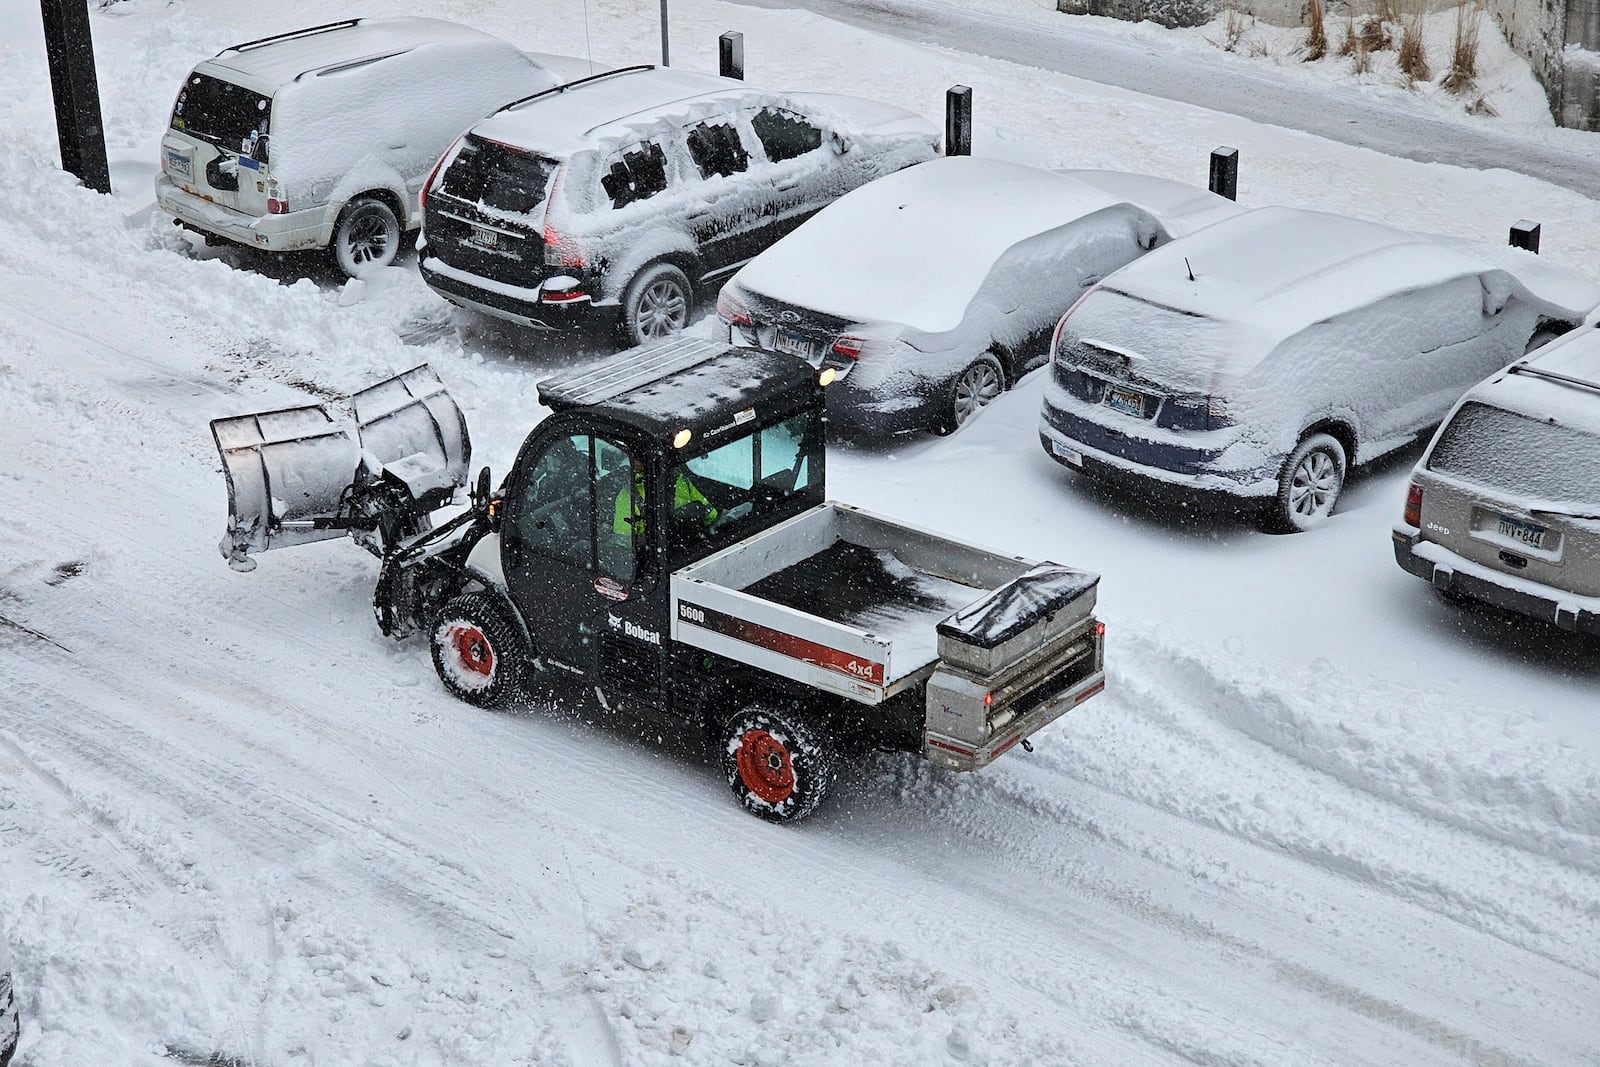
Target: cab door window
point(584, 503)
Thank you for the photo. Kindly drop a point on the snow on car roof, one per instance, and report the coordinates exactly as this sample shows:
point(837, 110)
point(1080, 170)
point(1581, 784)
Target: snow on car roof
point(1281, 269)
point(282, 61)
point(1544, 396)
point(914, 246)
point(561, 122)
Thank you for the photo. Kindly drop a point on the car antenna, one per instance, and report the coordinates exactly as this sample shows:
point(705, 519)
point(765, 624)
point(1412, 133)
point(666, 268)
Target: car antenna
point(1191, 269)
point(588, 47)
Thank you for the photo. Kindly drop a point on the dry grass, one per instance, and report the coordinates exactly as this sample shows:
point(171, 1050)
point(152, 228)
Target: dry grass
point(1413, 57)
point(1347, 38)
point(1374, 34)
point(1235, 24)
point(1481, 106)
point(1361, 58)
point(1463, 72)
point(1316, 45)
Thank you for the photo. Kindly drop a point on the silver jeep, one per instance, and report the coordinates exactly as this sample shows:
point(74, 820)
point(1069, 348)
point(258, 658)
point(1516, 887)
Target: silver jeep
point(1504, 506)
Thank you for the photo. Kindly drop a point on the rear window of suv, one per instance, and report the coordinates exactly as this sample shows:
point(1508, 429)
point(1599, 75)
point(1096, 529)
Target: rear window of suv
point(504, 179)
point(220, 112)
point(1530, 458)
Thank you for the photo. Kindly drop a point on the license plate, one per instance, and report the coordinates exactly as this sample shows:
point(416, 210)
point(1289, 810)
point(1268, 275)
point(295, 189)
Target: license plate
point(795, 345)
point(1523, 532)
point(1126, 401)
point(484, 238)
point(1071, 455)
point(178, 164)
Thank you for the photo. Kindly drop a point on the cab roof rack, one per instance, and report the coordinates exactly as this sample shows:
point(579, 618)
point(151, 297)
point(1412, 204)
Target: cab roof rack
point(307, 32)
point(351, 64)
point(552, 91)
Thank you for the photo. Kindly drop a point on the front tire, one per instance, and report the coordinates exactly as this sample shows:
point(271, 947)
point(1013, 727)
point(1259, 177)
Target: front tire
point(656, 304)
point(1309, 485)
point(778, 765)
point(973, 390)
point(478, 651)
point(366, 237)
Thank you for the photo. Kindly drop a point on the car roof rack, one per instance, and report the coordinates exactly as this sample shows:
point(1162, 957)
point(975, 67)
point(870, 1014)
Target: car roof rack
point(351, 64)
point(581, 81)
point(307, 32)
point(1524, 367)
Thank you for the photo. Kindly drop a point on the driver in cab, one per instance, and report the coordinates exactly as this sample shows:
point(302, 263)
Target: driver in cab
point(691, 512)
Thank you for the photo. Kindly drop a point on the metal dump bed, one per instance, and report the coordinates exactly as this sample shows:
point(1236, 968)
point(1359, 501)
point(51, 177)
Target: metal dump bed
point(837, 598)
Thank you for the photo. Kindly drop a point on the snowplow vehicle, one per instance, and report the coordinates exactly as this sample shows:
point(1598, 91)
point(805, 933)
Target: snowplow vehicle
point(664, 541)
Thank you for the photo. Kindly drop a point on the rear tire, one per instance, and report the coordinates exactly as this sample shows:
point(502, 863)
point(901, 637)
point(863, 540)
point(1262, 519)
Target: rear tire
point(656, 304)
point(1309, 485)
point(973, 390)
point(778, 765)
point(366, 237)
point(478, 651)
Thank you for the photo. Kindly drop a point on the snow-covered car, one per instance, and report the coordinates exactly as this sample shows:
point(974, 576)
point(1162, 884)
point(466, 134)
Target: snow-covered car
point(9, 1023)
point(322, 137)
point(1260, 358)
point(1504, 507)
point(621, 197)
point(933, 290)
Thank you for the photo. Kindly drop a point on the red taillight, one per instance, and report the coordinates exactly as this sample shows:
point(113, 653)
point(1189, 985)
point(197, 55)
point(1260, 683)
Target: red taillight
point(988, 699)
point(560, 251)
point(1413, 514)
point(1099, 629)
point(422, 197)
point(731, 310)
point(848, 347)
point(277, 204)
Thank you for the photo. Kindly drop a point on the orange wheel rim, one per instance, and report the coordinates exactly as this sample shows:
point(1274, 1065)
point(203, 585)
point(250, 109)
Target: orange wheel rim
point(472, 650)
point(765, 766)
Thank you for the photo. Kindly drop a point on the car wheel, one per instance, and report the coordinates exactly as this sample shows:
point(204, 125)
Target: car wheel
point(366, 237)
point(973, 390)
point(1309, 486)
point(778, 765)
point(477, 650)
point(656, 304)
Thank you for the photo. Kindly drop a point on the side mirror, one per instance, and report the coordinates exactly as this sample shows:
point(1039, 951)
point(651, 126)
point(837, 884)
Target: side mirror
point(480, 492)
point(839, 142)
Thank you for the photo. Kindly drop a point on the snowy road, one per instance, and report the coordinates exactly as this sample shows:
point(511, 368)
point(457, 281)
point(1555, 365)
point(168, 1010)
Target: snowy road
point(1080, 50)
point(1318, 817)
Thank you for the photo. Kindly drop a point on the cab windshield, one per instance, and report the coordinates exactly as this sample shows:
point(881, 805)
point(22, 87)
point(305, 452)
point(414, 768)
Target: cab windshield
point(228, 115)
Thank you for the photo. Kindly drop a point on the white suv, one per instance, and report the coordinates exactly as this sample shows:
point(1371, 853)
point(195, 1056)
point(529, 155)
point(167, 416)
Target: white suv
point(321, 138)
point(620, 196)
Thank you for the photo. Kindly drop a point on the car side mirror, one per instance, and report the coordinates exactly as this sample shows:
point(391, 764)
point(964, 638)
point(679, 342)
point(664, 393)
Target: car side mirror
point(480, 491)
point(839, 142)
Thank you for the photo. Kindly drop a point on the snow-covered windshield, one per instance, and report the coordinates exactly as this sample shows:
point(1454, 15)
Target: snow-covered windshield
point(220, 112)
point(486, 172)
point(1531, 458)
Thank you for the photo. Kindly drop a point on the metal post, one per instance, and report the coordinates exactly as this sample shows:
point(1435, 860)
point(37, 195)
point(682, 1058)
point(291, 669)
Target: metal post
point(730, 55)
point(70, 51)
point(665, 60)
point(1525, 234)
point(958, 121)
point(1225, 172)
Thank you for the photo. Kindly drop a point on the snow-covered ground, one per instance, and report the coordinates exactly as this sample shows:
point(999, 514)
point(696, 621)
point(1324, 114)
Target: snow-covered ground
point(1317, 817)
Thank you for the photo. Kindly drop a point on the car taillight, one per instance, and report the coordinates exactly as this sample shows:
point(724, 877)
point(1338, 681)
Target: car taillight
point(560, 251)
point(422, 197)
point(277, 204)
point(848, 347)
point(1413, 513)
point(731, 310)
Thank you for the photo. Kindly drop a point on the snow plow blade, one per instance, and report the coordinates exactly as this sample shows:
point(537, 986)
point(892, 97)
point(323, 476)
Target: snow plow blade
point(299, 475)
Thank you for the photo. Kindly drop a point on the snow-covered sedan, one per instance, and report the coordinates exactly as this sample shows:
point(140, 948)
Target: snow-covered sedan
point(1261, 358)
point(1504, 507)
point(933, 290)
